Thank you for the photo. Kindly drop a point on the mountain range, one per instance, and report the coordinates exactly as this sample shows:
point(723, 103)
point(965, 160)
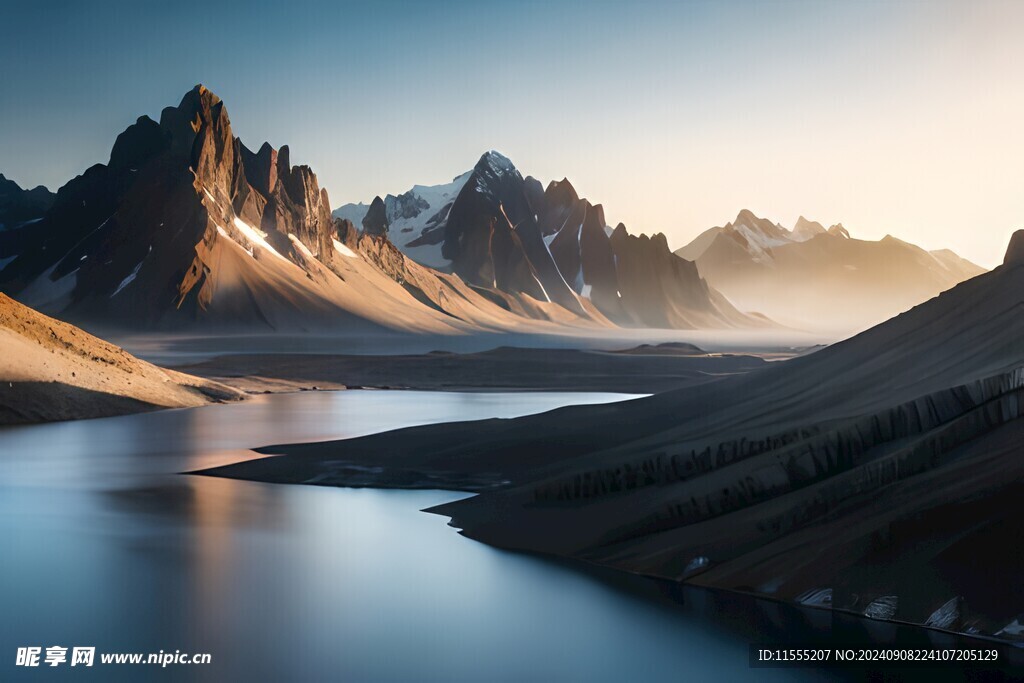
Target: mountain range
point(186, 226)
point(496, 229)
point(816, 278)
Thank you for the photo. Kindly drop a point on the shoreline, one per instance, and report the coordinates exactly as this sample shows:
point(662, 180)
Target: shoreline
point(747, 615)
point(638, 370)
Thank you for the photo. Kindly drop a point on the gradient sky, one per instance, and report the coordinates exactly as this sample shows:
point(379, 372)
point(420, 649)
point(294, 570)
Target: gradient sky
point(891, 117)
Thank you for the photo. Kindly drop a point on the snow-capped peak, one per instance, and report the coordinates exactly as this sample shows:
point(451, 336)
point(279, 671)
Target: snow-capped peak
point(497, 162)
point(758, 235)
point(411, 213)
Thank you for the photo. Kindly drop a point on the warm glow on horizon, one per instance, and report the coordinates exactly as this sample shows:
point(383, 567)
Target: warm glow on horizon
point(891, 118)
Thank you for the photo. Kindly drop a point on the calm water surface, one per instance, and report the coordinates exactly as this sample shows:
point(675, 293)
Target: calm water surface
point(105, 544)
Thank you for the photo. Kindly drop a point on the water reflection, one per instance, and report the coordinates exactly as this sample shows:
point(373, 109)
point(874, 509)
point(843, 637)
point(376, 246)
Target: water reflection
point(106, 545)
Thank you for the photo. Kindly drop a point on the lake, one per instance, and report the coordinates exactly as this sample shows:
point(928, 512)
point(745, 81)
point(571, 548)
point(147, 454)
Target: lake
point(107, 544)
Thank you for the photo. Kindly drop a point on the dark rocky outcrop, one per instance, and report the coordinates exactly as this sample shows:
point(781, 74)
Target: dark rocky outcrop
point(493, 240)
point(375, 223)
point(506, 232)
point(347, 232)
point(508, 235)
point(1015, 250)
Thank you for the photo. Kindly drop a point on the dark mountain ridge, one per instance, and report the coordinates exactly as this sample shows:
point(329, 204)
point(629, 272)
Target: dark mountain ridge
point(19, 206)
point(496, 229)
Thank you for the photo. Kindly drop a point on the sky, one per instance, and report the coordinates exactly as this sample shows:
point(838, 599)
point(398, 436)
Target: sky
point(898, 117)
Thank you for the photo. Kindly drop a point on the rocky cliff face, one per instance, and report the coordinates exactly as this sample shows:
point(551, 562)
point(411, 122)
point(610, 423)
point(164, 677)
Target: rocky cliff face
point(659, 289)
point(502, 232)
point(635, 280)
point(585, 256)
point(137, 236)
point(492, 237)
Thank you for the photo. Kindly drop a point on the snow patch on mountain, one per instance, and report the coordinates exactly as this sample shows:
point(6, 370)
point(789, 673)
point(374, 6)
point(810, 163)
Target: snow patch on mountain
point(128, 280)
point(344, 250)
point(302, 248)
point(758, 243)
point(255, 237)
point(132, 275)
point(410, 214)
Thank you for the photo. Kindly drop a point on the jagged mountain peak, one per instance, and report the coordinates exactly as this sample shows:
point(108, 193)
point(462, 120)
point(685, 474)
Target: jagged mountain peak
point(261, 168)
point(499, 230)
point(186, 224)
point(561, 191)
point(838, 230)
point(1015, 250)
point(201, 93)
point(199, 105)
point(660, 240)
point(375, 222)
point(492, 169)
point(496, 161)
point(746, 216)
point(143, 238)
point(805, 229)
point(137, 143)
point(748, 219)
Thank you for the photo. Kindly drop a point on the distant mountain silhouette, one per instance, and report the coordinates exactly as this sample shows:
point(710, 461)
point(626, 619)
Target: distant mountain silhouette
point(814, 278)
point(18, 206)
